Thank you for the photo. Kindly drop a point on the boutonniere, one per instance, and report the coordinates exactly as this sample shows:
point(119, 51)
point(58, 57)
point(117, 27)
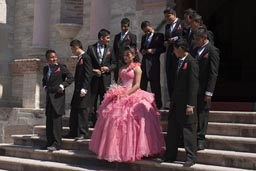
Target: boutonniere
point(206, 56)
point(185, 66)
point(156, 38)
point(81, 62)
point(57, 70)
point(179, 27)
point(108, 53)
point(128, 38)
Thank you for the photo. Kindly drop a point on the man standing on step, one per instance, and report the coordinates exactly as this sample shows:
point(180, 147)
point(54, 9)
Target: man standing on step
point(103, 63)
point(152, 46)
point(56, 77)
point(81, 100)
point(207, 56)
point(123, 39)
point(182, 121)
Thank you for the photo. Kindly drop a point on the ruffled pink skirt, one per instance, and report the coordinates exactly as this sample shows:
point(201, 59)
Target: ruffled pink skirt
point(127, 129)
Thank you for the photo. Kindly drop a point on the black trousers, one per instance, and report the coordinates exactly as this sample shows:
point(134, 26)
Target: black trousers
point(203, 109)
point(170, 69)
point(97, 93)
point(78, 122)
point(155, 88)
point(180, 133)
point(53, 127)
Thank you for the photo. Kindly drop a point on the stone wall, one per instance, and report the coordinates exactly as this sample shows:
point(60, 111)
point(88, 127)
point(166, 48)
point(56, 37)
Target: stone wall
point(27, 82)
point(18, 121)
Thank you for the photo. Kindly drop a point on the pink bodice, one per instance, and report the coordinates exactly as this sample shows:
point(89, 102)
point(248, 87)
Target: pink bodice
point(127, 75)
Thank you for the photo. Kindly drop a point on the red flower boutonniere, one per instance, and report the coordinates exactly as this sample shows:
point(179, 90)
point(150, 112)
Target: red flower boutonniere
point(81, 62)
point(179, 27)
point(206, 56)
point(57, 70)
point(128, 38)
point(108, 53)
point(185, 66)
point(156, 38)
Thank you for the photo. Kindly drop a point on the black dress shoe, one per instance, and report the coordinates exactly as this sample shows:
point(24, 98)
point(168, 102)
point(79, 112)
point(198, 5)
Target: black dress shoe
point(44, 147)
point(188, 163)
point(168, 160)
point(69, 136)
point(200, 147)
point(52, 148)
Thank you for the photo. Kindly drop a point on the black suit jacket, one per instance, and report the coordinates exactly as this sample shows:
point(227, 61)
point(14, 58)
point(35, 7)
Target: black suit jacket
point(150, 64)
point(209, 67)
point(59, 75)
point(108, 60)
point(83, 75)
point(185, 90)
point(119, 46)
point(179, 30)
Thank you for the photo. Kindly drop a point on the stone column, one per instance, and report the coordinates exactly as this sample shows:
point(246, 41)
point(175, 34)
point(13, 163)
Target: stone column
point(100, 17)
point(5, 54)
point(26, 81)
point(40, 40)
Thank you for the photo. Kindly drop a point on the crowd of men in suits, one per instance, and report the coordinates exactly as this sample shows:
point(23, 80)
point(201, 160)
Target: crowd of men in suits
point(191, 65)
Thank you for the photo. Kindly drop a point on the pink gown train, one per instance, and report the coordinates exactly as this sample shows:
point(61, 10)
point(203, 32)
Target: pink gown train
point(129, 128)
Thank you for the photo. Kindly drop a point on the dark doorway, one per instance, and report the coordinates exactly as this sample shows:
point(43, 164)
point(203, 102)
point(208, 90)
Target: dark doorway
point(232, 22)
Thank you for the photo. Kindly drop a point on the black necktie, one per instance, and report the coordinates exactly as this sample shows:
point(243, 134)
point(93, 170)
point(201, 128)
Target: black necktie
point(180, 61)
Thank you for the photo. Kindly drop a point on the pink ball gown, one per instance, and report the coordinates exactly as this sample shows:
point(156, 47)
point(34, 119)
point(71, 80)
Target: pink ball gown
point(127, 129)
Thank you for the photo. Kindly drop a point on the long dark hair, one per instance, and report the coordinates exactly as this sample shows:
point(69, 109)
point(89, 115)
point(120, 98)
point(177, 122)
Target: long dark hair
point(134, 52)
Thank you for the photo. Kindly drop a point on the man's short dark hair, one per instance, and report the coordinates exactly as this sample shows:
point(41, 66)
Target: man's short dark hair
point(169, 11)
point(145, 24)
point(48, 52)
point(103, 33)
point(76, 43)
point(200, 32)
point(125, 21)
point(189, 12)
point(181, 43)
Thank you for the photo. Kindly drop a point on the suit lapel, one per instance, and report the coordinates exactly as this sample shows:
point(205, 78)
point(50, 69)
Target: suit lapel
point(106, 49)
point(95, 53)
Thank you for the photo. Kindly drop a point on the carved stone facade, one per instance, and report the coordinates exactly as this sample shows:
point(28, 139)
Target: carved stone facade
point(38, 25)
point(29, 27)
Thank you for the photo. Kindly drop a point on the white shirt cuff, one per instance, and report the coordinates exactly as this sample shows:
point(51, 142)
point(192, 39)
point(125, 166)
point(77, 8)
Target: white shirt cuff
point(207, 93)
point(84, 91)
point(61, 86)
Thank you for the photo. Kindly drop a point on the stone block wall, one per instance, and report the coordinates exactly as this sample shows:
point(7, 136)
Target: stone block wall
point(27, 90)
point(19, 121)
point(72, 11)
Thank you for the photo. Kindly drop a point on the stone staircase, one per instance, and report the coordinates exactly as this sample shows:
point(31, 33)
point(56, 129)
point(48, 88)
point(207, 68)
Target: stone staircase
point(231, 146)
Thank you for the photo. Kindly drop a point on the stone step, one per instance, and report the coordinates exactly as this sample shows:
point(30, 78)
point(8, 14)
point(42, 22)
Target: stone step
point(71, 157)
point(239, 144)
point(19, 164)
point(40, 130)
point(38, 142)
point(232, 129)
point(232, 117)
point(225, 116)
point(226, 129)
point(224, 158)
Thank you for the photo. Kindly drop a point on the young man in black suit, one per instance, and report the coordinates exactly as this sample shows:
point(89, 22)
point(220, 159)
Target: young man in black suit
point(182, 121)
point(196, 22)
point(152, 45)
point(81, 100)
point(208, 58)
point(103, 63)
point(174, 30)
point(56, 77)
point(123, 39)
